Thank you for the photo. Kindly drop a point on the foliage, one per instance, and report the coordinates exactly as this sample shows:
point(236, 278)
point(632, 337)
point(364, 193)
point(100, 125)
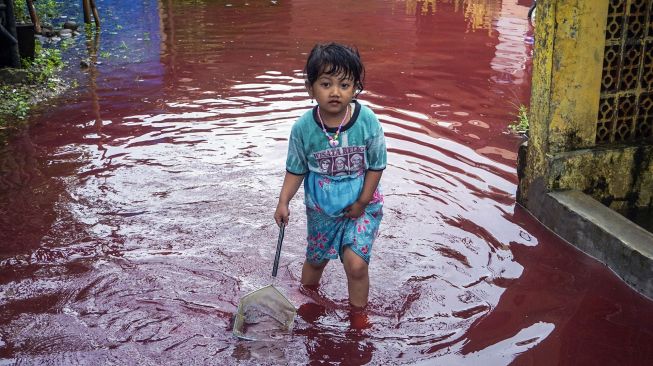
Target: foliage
point(520, 125)
point(46, 10)
point(66, 43)
point(45, 65)
point(20, 11)
point(16, 100)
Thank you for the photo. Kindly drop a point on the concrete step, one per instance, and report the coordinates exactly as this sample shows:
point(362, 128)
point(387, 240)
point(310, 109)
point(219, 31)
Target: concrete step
point(604, 234)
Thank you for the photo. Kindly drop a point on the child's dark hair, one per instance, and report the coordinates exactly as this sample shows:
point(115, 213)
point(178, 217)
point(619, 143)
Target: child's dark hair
point(333, 59)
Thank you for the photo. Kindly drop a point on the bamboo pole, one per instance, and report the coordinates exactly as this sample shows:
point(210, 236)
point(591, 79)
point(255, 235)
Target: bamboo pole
point(33, 16)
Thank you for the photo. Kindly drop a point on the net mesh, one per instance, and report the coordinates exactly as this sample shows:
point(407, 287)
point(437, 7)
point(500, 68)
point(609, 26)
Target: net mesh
point(264, 314)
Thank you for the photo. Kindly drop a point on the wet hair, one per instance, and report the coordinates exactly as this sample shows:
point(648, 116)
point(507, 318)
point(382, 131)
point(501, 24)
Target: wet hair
point(334, 59)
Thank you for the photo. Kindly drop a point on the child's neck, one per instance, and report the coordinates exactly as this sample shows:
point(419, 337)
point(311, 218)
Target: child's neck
point(336, 121)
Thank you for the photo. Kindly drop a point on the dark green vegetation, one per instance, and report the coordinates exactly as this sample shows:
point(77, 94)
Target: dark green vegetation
point(39, 79)
point(20, 89)
point(46, 10)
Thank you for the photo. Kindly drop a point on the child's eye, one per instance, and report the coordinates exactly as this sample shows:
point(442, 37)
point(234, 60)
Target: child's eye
point(345, 85)
point(326, 85)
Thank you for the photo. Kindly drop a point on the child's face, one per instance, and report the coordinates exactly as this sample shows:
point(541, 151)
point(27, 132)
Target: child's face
point(333, 93)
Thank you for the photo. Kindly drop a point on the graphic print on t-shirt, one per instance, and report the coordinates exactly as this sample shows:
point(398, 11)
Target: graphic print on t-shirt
point(341, 160)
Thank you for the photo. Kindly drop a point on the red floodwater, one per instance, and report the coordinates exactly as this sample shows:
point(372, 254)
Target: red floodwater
point(138, 211)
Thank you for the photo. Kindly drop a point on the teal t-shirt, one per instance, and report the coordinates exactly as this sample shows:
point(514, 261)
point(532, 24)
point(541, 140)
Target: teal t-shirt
point(336, 174)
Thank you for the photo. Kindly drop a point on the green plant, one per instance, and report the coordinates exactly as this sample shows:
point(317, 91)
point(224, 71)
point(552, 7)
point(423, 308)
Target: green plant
point(46, 63)
point(520, 125)
point(105, 54)
point(16, 100)
point(20, 11)
point(46, 10)
point(66, 43)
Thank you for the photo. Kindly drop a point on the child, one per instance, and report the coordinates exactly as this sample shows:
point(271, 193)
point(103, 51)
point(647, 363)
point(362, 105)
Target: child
point(338, 150)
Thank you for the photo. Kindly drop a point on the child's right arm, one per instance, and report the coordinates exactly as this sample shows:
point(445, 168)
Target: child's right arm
point(290, 186)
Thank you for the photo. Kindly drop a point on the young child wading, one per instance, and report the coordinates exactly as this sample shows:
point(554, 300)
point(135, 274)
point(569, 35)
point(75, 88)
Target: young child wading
point(338, 150)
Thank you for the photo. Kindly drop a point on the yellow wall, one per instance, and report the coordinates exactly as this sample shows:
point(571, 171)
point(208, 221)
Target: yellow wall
point(577, 66)
point(567, 72)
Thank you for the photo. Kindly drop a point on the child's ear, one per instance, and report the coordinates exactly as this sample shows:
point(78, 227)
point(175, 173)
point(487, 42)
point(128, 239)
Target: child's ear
point(309, 88)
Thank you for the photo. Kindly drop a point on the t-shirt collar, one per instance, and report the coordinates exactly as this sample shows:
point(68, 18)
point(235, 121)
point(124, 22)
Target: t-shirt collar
point(352, 120)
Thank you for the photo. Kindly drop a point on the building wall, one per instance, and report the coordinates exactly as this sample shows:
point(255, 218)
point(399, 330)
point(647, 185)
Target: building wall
point(591, 106)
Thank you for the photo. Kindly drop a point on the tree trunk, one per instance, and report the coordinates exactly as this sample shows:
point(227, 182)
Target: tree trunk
point(86, 4)
point(33, 16)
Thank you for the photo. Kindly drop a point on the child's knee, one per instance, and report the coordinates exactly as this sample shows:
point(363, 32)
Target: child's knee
point(355, 266)
point(357, 271)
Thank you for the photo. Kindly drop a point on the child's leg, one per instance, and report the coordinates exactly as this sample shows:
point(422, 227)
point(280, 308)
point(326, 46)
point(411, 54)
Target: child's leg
point(311, 273)
point(358, 280)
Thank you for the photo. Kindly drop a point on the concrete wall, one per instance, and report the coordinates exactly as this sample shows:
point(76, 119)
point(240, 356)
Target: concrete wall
point(617, 177)
point(566, 92)
point(578, 156)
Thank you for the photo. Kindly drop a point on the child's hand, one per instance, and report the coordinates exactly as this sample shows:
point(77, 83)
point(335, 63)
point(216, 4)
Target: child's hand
point(355, 210)
point(282, 214)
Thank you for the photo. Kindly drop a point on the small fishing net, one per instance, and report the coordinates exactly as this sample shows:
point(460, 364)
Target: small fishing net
point(265, 313)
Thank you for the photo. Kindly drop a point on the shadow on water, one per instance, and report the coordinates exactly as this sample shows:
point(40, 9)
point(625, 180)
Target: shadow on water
point(138, 212)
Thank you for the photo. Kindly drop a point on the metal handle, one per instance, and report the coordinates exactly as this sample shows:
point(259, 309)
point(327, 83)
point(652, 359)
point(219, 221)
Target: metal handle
point(276, 257)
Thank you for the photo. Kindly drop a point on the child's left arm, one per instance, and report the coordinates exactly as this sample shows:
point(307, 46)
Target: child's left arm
point(356, 209)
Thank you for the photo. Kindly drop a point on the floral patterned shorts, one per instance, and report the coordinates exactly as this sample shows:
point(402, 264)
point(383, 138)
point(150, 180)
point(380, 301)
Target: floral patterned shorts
point(328, 236)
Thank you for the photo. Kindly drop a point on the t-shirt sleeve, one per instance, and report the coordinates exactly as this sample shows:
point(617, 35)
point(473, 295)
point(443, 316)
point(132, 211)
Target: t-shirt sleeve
point(377, 155)
point(296, 162)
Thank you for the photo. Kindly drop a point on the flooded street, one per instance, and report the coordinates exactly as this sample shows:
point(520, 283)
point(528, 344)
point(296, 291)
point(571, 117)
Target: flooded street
point(138, 211)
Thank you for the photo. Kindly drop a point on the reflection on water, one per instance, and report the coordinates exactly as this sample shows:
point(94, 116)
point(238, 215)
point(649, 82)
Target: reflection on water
point(138, 212)
point(479, 14)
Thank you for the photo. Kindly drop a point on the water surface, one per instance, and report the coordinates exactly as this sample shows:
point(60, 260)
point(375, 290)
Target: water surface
point(137, 212)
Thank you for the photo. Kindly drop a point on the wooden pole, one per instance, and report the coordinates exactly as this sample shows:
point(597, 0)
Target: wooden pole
point(33, 16)
point(96, 16)
point(10, 19)
point(86, 5)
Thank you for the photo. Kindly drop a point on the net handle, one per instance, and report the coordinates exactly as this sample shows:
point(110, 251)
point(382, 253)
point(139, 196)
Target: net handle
point(276, 256)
